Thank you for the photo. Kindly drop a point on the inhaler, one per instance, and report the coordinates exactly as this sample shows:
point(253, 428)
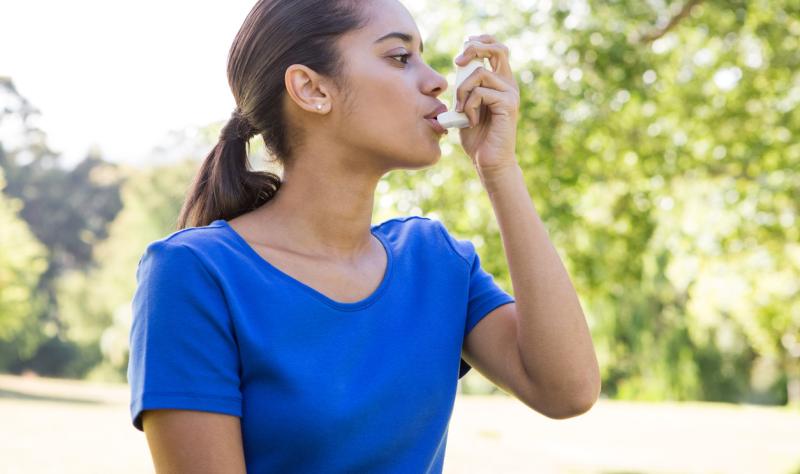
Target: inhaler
point(451, 118)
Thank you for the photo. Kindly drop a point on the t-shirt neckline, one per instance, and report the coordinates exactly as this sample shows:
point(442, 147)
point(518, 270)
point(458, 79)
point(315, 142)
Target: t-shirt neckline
point(343, 306)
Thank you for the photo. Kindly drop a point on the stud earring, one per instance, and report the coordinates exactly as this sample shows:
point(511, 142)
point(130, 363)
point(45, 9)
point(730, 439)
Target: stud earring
point(319, 106)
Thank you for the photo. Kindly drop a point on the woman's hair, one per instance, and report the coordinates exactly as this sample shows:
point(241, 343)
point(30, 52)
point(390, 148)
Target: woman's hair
point(275, 35)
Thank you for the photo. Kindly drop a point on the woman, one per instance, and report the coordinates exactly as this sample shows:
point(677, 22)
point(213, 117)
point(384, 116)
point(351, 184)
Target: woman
point(281, 331)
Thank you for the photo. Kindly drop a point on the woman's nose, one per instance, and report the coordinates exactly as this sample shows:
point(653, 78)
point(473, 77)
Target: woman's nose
point(438, 83)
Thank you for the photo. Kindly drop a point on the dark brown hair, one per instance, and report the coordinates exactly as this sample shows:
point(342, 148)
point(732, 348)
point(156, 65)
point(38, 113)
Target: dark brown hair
point(275, 35)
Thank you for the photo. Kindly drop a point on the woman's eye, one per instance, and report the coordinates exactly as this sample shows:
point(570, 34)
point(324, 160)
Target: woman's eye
point(406, 56)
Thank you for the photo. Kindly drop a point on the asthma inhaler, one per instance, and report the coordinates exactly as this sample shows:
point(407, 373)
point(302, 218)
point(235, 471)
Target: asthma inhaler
point(451, 118)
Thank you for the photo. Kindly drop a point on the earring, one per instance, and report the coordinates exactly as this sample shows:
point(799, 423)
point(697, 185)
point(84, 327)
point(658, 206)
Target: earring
point(319, 106)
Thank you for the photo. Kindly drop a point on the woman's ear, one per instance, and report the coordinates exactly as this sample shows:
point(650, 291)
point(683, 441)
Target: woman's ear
point(307, 89)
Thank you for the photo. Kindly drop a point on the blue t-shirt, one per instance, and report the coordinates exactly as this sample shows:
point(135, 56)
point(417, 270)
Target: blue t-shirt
point(319, 385)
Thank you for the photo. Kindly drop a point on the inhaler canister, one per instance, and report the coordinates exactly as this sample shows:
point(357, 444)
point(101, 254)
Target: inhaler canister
point(451, 118)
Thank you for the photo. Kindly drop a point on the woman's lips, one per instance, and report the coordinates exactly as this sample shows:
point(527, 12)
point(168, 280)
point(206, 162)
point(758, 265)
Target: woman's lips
point(437, 126)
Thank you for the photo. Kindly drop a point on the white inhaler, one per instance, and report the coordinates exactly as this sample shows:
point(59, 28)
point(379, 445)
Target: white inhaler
point(451, 118)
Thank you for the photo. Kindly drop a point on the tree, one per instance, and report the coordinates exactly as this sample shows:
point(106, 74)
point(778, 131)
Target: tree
point(23, 260)
point(96, 304)
point(636, 116)
point(67, 210)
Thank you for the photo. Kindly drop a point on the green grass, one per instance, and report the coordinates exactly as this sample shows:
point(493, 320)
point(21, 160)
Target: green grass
point(61, 426)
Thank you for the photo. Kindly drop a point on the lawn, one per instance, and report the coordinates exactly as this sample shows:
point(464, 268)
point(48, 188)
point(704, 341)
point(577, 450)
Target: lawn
point(62, 426)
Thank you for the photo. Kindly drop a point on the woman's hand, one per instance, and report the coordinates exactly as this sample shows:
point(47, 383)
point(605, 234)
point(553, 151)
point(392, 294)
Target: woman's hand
point(490, 99)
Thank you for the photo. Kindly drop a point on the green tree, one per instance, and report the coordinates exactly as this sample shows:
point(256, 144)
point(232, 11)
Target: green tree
point(636, 116)
point(95, 304)
point(23, 260)
point(67, 210)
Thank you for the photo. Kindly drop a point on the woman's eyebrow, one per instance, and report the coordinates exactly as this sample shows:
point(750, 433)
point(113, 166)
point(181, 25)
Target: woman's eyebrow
point(403, 36)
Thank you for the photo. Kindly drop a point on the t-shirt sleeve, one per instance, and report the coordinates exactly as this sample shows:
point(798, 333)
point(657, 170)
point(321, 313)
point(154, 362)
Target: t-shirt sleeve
point(484, 293)
point(484, 296)
point(183, 351)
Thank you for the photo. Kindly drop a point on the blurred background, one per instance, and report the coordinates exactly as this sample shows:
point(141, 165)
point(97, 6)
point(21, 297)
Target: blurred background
point(659, 143)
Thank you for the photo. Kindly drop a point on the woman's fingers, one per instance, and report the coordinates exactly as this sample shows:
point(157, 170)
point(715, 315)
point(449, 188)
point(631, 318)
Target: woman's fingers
point(486, 46)
point(479, 77)
point(499, 103)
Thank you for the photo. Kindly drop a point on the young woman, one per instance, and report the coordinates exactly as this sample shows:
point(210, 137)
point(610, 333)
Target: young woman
point(278, 330)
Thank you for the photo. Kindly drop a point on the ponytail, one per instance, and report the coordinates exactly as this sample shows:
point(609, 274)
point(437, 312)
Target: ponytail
point(225, 186)
point(275, 35)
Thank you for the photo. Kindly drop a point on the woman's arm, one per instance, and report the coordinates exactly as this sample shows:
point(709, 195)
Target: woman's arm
point(554, 339)
point(188, 441)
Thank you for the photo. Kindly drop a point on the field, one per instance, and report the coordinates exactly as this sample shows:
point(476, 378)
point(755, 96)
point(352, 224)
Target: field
point(61, 426)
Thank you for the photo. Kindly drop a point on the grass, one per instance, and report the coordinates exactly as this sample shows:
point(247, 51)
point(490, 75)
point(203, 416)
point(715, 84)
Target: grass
point(64, 426)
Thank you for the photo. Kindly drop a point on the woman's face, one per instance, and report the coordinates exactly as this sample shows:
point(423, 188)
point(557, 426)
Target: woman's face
point(390, 91)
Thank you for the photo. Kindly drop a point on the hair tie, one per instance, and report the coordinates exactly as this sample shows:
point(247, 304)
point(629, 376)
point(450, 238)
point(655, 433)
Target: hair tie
point(238, 127)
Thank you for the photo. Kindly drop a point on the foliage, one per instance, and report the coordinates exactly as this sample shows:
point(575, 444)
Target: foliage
point(23, 259)
point(95, 305)
point(67, 210)
point(657, 142)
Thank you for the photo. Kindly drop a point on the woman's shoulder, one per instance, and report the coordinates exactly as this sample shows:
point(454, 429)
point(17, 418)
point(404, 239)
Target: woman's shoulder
point(427, 232)
point(196, 238)
point(431, 232)
point(405, 231)
point(190, 244)
point(408, 223)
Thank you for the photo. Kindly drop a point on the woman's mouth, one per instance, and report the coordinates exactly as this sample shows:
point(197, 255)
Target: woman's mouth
point(437, 126)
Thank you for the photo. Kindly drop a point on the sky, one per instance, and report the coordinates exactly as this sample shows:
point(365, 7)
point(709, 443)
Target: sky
point(119, 75)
